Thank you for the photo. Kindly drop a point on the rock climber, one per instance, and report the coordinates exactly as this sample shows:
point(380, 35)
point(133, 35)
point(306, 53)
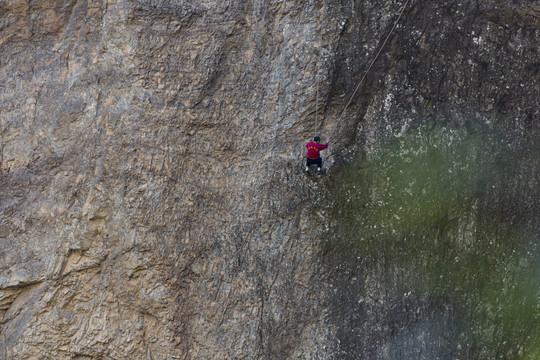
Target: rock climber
point(313, 155)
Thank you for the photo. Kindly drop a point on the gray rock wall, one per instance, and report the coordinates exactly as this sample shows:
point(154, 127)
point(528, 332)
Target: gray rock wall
point(152, 204)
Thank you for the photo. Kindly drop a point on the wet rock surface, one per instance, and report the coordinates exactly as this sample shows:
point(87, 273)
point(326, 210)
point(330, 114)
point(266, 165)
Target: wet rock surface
point(152, 200)
point(434, 223)
point(429, 259)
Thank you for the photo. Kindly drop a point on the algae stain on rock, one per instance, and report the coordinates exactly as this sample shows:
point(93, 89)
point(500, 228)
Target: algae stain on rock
point(426, 258)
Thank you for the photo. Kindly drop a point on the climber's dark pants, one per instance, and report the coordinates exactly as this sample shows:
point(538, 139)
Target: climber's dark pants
point(311, 161)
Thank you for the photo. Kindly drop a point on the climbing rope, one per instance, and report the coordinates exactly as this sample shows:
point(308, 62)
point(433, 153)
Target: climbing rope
point(317, 108)
point(363, 77)
point(317, 91)
point(375, 59)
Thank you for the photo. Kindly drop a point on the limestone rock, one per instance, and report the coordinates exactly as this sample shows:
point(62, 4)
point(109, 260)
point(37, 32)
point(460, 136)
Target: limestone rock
point(152, 201)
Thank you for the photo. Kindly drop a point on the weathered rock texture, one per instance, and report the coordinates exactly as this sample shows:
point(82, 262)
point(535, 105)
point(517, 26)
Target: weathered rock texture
point(151, 202)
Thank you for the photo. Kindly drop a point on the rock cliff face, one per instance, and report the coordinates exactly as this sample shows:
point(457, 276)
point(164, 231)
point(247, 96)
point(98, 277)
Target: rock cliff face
point(152, 202)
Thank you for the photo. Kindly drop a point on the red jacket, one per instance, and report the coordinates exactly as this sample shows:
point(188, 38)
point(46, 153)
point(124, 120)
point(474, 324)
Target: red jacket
point(313, 149)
